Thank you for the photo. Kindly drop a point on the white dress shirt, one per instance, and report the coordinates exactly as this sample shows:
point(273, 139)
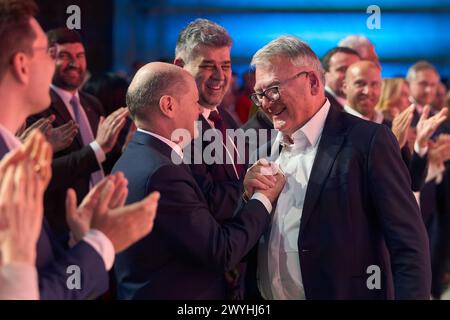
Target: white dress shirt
point(378, 115)
point(18, 281)
point(279, 274)
point(97, 239)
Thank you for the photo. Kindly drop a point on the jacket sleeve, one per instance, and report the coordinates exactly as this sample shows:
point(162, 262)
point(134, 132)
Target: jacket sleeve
point(400, 217)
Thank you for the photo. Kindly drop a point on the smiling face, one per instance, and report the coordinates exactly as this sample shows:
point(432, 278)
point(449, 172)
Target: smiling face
point(211, 68)
point(70, 66)
point(363, 87)
point(295, 105)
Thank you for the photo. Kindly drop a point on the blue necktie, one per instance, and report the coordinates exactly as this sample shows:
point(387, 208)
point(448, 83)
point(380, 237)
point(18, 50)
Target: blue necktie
point(86, 134)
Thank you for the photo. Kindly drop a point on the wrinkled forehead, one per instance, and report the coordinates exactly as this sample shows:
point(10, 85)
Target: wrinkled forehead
point(271, 71)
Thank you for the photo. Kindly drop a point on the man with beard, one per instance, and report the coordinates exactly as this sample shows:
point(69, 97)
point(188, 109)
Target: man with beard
point(362, 87)
point(79, 165)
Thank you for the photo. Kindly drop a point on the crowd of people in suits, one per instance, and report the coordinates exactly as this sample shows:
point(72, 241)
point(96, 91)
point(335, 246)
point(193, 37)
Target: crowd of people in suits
point(354, 177)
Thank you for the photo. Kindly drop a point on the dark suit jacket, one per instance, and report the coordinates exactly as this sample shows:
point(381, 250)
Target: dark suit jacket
point(258, 122)
point(218, 182)
point(333, 100)
point(52, 262)
point(72, 167)
point(359, 211)
point(188, 251)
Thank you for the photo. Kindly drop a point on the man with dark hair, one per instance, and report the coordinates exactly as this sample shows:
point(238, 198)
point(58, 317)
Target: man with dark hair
point(335, 63)
point(96, 224)
point(203, 49)
point(79, 166)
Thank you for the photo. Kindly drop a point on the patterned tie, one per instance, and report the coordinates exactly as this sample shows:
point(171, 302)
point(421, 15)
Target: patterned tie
point(215, 117)
point(86, 135)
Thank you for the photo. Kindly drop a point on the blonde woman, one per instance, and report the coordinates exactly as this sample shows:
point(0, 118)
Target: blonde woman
point(394, 97)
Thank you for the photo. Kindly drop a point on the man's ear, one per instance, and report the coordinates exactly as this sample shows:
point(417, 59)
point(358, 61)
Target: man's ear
point(344, 86)
point(315, 83)
point(167, 105)
point(179, 62)
point(20, 67)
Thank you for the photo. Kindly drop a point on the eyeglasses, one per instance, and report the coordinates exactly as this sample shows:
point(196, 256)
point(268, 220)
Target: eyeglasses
point(273, 93)
point(49, 50)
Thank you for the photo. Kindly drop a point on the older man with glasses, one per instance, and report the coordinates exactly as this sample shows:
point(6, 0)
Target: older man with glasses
point(346, 225)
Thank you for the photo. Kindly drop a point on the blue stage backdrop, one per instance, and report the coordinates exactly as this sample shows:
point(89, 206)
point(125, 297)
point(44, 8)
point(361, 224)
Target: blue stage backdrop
point(410, 30)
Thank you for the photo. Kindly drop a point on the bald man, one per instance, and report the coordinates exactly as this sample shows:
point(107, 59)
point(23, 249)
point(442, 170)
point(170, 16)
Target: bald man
point(362, 87)
point(188, 252)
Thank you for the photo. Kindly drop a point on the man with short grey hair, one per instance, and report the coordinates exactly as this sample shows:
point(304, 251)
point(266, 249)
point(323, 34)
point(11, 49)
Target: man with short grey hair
point(423, 79)
point(346, 225)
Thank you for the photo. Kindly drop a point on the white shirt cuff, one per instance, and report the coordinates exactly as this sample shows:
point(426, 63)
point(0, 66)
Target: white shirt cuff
point(99, 154)
point(102, 245)
point(420, 151)
point(265, 201)
point(18, 281)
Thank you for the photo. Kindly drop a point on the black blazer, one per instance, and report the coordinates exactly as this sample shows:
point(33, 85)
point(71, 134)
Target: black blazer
point(72, 167)
point(359, 211)
point(186, 254)
point(218, 182)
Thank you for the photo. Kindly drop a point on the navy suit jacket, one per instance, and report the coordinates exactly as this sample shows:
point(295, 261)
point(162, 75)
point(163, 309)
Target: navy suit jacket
point(188, 251)
point(359, 211)
point(72, 167)
point(52, 262)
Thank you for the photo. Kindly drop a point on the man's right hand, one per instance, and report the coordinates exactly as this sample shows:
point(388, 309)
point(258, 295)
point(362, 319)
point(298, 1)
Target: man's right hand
point(109, 129)
point(262, 178)
point(273, 193)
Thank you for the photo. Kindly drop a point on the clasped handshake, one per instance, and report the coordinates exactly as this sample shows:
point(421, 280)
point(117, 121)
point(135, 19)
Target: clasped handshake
point(265, 177)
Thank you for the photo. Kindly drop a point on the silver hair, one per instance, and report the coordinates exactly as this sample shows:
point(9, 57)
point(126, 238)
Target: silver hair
point(201, 32)
point(298, 52)
point(418, 66)
point(355, 42)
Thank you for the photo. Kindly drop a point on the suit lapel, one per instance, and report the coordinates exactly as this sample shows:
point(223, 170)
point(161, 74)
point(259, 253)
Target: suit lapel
point(61, 109)
point(329, 146)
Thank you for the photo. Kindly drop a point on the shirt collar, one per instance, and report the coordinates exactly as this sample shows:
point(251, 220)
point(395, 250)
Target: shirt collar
point(206, 112)
point(12, 142)
point(312, 130)
point(170, 143)
point(65, 95)
point(341, 100)
point(378, 115)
